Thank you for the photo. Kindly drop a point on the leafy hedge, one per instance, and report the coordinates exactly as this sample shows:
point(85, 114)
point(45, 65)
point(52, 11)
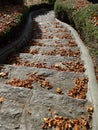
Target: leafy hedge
point(81, 19)
point(64, 11)
point(85, 25)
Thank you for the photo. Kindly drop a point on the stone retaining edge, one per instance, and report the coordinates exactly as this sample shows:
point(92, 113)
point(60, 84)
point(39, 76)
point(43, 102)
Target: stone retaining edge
point(92, 94)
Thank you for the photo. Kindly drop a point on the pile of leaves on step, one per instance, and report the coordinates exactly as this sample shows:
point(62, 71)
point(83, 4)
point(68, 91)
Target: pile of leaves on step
point(64, 123)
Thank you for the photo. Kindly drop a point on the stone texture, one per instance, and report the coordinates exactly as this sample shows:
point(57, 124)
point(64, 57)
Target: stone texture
point(25, 109)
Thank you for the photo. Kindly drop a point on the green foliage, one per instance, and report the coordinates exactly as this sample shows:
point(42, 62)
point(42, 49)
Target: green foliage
point(81, 20)
point(64, 11)
point(83, 23)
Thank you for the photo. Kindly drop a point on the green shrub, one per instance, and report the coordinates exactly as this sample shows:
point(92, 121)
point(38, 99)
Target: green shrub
point(83, 23)
point(80, 19)
point(64, 11)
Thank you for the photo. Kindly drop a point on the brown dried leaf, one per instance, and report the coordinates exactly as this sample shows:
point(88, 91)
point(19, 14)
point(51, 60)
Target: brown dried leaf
point(58, 90)
point(44, 126)
point(1, 99)
point(64, 123)
point(84, 123)
point(79, 90)
point(76, 127)
point(20, 83)
point(3, 74)
point(90, 109)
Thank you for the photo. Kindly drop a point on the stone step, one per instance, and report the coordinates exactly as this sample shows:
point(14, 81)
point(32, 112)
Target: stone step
point(48, 34)
point(50, 104)
point(51, 32)
point(49, 29)
point(57, 62)
point(55, 43)
point(29, 83)
point(55, 78)
point(45, 48)
point(49, 42)
point(12, 107)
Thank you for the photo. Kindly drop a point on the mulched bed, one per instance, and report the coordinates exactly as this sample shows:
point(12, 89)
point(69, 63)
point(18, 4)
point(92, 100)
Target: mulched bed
point(10, 18)
point(8, 15)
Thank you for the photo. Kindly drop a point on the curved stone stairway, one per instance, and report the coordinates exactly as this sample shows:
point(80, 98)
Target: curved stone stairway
point(37, 82)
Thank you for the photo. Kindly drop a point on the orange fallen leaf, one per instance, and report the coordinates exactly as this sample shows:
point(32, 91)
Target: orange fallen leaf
point(90, 109)
point(20, 83)
point(58, 90)
point(3, 74)
point(79, 90)
point(64, 123)
point(76, 127)
point(1, 99)
point(28, 111)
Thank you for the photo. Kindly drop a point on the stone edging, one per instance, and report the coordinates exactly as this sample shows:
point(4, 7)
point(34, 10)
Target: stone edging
point(92, 94)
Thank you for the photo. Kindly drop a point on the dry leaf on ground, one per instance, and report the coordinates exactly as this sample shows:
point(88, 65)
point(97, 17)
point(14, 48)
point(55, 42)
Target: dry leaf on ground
point(1, 99)
point(4, 74)
point(58, 90)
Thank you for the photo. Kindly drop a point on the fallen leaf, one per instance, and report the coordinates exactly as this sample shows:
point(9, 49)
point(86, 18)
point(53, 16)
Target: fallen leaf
point(1, 99)
point(64, 123)
point(76, 127)
point(58, 90)
point(20, 83)
point(79, 90)
point(3, 74)
point(90, 109)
